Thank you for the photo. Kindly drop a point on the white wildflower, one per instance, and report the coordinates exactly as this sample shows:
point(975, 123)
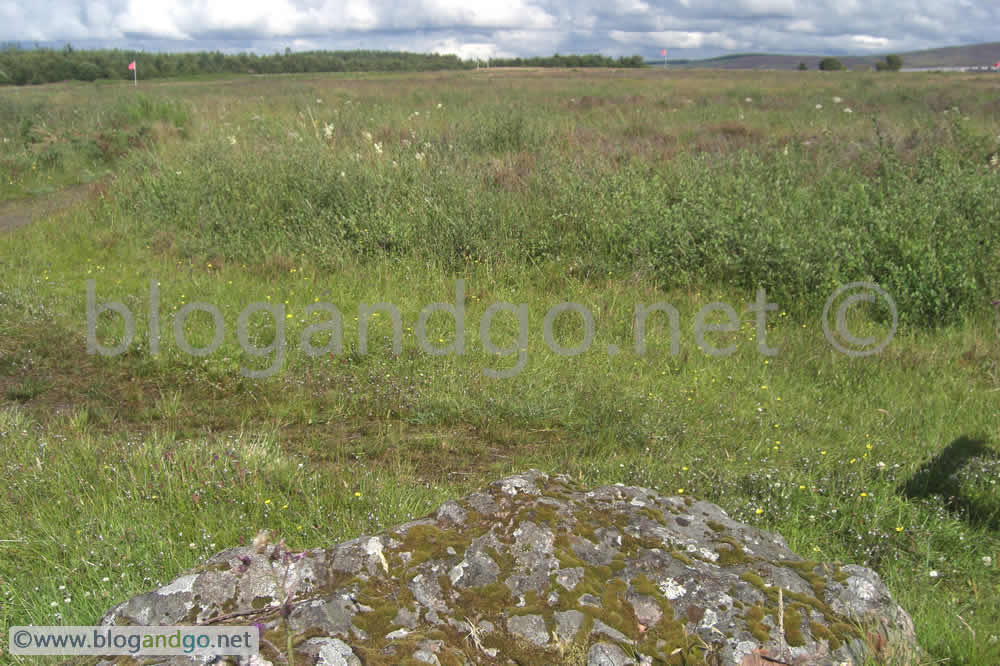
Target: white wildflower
point(439, 105)
point(378, 148)
point(847, 109)
point(420, 157)
point(933, 573)
point(819, 106)
point(987, 560)
point(837, 100)
point(748, 100)
point(328, 130)
point(232, 140)
point(367, 136)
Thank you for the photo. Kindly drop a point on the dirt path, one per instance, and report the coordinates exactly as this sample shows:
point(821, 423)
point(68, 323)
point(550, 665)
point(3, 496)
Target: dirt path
point(19, 212)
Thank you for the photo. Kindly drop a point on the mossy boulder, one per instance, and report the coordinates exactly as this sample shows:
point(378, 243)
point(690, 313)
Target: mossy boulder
point(534, 569)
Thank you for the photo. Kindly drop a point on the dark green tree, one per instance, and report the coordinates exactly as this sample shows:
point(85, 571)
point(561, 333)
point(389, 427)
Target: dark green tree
point(893, 62)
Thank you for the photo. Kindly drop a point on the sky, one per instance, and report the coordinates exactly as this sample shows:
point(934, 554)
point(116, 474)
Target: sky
point(506, 28)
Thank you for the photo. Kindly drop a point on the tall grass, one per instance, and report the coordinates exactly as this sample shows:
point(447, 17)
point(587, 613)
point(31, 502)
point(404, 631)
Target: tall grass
point(51, 140)
point(774, 217)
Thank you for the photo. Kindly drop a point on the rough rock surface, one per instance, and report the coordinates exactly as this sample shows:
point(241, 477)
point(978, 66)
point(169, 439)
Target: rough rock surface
point(535, 570)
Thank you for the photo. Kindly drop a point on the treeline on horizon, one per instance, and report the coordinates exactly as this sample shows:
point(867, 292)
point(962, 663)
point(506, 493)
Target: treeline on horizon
point(21, 66)
point(592, 60)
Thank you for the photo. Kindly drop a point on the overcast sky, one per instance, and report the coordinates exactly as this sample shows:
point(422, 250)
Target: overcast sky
point(476, 28)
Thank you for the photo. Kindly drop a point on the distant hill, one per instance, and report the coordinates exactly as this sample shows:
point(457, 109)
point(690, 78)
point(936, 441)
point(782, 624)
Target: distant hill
point(973, 55)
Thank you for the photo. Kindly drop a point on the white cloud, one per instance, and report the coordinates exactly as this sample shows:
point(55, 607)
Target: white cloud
point(480, 14)
point(465, 50)
point(480, 28)
point(676, 39)
point(803, 25)
point(869, 42)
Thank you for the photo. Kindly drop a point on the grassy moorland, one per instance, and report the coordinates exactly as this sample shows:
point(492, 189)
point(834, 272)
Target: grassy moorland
point(608, 189)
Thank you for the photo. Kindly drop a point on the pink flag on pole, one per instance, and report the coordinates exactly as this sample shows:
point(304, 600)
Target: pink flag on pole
point(663, 52)
point(131, 66)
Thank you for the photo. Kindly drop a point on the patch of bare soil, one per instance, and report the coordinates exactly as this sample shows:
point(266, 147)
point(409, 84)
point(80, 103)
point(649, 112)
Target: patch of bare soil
point(19, 212)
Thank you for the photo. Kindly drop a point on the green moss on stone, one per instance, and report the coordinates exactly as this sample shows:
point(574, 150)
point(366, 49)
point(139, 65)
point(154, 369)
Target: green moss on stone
point(753, 579)
point(807, 570)
point(260, 602)
point(652, 514)
point(793, 627)
point(492, 598)
point(532, 606)
point(715, 527)
point(809, 601)
point(425, 542)
point(820, 631)
point(643, 585)
point(755, 623)
point(733, 555)
point(844, 630)
point(617, 563)
point(681, 557)
point(540, 514)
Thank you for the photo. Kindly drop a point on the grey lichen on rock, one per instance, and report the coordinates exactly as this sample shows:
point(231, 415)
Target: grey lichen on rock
point(533, 569)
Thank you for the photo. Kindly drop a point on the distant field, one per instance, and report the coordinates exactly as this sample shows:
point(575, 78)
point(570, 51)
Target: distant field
point(973, 55)
point(610, 189)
